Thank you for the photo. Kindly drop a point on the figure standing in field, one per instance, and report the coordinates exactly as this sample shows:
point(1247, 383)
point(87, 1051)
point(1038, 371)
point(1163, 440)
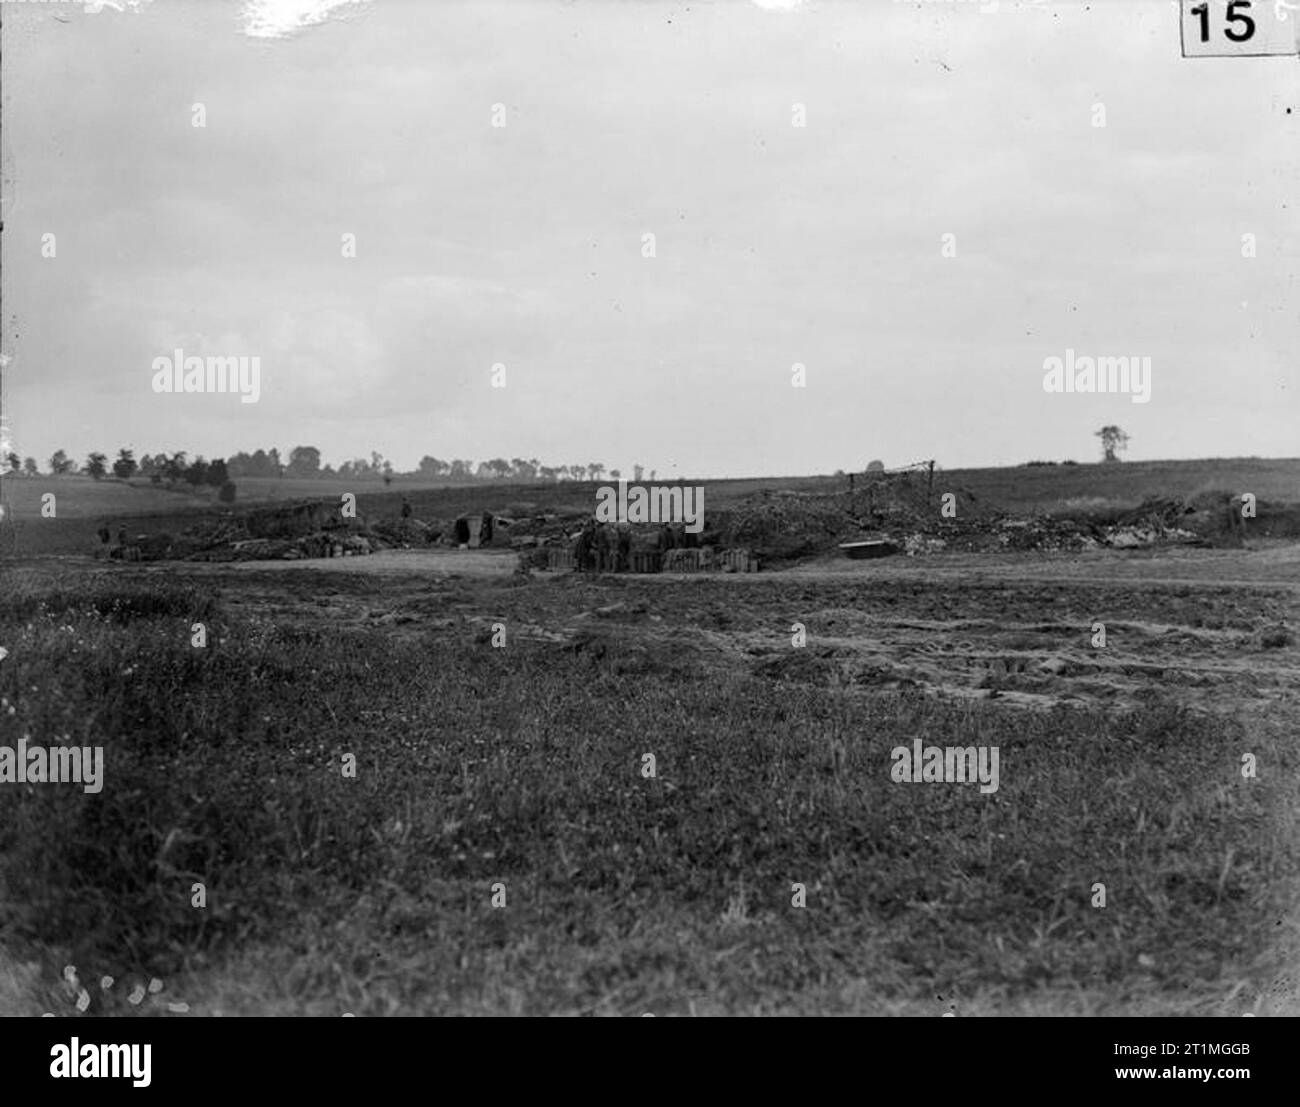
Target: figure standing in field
point(406, 508)
point(606, 546)
point(104, 534)
point(610, 533)
point(624, 548)
point(121, 536)
point(582, 550)
point(581, 547)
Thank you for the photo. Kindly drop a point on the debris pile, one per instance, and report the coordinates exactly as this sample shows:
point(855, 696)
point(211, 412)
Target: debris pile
point(323, 544)
point(914, 512)
point(289, 532)
point(405, 533)
point(919, 516)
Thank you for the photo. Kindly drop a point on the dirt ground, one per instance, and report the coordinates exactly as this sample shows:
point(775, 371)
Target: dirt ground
point(1214, 624)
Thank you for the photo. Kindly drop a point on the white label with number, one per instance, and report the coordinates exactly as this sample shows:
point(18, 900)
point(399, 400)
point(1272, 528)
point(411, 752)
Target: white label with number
point(1239, 28)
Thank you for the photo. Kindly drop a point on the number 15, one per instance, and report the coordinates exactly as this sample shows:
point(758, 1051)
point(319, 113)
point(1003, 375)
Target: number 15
point(1233, 16)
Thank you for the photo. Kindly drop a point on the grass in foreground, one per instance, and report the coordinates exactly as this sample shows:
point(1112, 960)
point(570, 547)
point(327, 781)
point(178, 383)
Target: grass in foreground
point(522, 767)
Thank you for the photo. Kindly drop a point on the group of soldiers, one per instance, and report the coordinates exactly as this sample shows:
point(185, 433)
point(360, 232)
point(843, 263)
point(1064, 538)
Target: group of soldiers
point(105, 535)
point(607, 547)
point(122, 551)
point(604, 547)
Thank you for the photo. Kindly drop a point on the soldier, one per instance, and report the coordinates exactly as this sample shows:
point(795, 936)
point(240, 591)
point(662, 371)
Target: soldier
point(582, 551)
point(104, 534)
point(624, 548)
point(406, 508)
point(605, 546)
point(121, 536)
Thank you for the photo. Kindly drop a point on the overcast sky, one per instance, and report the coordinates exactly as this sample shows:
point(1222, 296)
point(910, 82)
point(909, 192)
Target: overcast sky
point(522, 245)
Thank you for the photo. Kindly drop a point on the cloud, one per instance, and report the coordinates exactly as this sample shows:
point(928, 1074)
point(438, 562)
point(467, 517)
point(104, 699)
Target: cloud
point(283, 18)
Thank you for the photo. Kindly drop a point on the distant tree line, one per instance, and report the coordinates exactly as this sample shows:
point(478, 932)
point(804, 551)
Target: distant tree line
point(26, 465)
point(305, 461)
point(160, 469)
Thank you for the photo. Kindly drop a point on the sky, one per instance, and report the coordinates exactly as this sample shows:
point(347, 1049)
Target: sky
point(522, 245)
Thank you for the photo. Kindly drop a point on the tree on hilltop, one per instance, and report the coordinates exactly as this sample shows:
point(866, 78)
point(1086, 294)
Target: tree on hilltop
point(1112, 440)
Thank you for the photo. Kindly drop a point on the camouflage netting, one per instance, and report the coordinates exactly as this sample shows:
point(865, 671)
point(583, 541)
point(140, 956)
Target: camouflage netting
point(782, 526)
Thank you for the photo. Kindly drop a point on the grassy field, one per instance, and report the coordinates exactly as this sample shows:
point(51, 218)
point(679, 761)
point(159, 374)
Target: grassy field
point(1053, 488)
point(521, 768)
